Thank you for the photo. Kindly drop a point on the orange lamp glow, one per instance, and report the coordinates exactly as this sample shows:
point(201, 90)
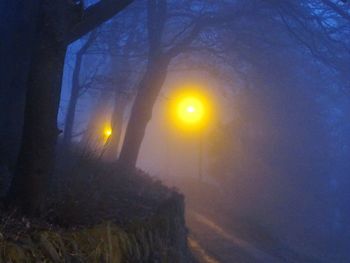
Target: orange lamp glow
point(190, 108)
point(107, 132)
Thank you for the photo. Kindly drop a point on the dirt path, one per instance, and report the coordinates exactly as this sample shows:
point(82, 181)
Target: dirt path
point(200, 252)
point(212, 244)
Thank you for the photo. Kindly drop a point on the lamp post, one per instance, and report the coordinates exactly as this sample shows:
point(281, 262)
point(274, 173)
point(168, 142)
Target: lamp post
point(200, 156)
point(191, 114)
point(190, 110)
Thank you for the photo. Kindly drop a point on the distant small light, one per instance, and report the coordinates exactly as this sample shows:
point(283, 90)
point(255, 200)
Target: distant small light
point(108, 132)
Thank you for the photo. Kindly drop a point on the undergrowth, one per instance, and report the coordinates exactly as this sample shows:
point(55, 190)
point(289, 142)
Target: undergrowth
point(98, 213)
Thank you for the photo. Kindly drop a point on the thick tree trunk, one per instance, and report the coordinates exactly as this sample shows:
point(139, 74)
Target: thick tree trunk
point(149, 86)
point(36, 159)
point(141, 113)
point(17, 29)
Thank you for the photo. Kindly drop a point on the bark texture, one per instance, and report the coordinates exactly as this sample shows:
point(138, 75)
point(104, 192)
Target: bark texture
point(36, 159)
point(18, 21)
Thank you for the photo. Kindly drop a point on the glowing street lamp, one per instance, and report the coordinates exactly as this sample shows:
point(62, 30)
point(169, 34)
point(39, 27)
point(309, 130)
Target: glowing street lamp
point(191, 112)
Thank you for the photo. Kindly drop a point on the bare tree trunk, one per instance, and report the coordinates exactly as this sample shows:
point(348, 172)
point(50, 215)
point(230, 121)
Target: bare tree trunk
point(75, 91)
point(36, 159)
point(17, 29)
point(141, 113)
point(149, 86)
point(117, 120)
point(73, 100)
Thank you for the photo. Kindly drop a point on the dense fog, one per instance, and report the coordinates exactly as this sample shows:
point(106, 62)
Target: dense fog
point(278, 148)
point(272, 158)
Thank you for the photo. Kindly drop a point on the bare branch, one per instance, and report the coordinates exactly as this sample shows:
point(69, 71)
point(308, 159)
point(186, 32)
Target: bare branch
point(337, 9)
point(201, 24)
point(95, 15)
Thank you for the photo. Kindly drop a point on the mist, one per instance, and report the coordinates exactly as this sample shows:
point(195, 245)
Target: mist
point(240, 107)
